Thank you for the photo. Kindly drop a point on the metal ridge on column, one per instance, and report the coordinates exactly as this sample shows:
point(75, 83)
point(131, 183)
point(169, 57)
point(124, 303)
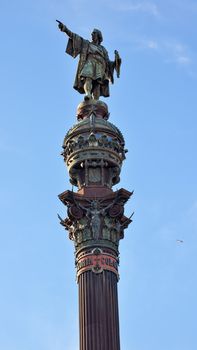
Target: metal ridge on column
point(98, 311)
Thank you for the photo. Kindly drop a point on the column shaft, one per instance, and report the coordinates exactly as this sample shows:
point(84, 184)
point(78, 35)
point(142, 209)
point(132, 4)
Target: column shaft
point(98, 311)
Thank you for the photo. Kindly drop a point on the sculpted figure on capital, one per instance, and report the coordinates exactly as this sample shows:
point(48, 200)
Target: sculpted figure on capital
point(95, 70)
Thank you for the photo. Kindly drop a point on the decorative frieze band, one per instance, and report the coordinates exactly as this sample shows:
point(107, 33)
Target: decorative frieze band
point(97, 261)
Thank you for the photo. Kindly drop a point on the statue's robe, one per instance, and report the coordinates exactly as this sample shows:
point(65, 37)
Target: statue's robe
point(79, 46)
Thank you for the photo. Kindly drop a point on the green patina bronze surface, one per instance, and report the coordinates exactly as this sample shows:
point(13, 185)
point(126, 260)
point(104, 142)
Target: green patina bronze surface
point(95, 70)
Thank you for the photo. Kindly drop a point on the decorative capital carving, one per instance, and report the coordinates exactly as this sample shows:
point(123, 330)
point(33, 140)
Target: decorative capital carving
point(74, 212)
point(96, 222)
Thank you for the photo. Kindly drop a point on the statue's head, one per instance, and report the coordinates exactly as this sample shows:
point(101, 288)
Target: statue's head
point(95, 204)
point(97, 35)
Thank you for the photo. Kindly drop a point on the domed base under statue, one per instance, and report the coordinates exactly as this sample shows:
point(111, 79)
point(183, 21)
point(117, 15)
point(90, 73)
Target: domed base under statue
point(97, 107)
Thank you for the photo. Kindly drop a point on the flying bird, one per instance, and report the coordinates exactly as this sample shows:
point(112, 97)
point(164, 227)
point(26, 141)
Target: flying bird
point(179, 241)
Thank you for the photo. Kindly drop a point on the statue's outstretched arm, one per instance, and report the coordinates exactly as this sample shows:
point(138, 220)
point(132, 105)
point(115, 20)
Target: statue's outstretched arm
point(111, 204)
point(64, 29)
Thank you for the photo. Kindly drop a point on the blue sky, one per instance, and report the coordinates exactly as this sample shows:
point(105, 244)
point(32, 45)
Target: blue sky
point(154, 105)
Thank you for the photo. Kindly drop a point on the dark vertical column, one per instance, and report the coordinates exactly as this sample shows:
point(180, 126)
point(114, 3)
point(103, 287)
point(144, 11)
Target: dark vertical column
point(93, 151)
point(98, 311)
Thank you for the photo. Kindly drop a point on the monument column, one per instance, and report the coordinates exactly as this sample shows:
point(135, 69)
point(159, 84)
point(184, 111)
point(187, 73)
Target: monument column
point(98, 311)
point(93, 151)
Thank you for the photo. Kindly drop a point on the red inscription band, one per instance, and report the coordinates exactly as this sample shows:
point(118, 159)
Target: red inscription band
point(97, 263)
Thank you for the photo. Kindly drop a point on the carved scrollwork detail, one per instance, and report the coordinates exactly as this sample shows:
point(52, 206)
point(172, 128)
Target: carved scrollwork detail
point(99, 222)
point(92, 140)
point(75, 212)
point(116, 210)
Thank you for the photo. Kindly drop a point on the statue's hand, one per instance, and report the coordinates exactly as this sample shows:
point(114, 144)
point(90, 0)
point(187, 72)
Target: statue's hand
point(61, 26)
point(64, 29)
point(116, 54)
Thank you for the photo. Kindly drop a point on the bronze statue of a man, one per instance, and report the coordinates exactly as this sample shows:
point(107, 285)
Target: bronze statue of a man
point(95, 70)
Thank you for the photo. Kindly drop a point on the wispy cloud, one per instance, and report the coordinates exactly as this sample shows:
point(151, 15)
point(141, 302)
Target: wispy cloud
point(152, 44)
point(171, 50)
point(135, 6)
point(139, 6)
point(178, 53)
point(143, 44)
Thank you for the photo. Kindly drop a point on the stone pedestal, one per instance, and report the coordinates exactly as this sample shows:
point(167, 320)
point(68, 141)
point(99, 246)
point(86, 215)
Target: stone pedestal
point(93, 150)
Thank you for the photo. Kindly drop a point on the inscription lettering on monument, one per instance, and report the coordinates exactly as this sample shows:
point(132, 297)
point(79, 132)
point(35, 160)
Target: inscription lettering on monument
point(97, 263)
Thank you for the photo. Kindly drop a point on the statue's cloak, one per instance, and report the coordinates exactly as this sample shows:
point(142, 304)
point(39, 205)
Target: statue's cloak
point(79, 46)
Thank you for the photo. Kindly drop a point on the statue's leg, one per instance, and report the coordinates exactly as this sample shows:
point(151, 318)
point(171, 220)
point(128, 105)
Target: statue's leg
point(88, 88)
point(96, 91)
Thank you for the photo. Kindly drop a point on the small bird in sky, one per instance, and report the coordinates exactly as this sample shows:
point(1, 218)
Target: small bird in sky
point(179, 241)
